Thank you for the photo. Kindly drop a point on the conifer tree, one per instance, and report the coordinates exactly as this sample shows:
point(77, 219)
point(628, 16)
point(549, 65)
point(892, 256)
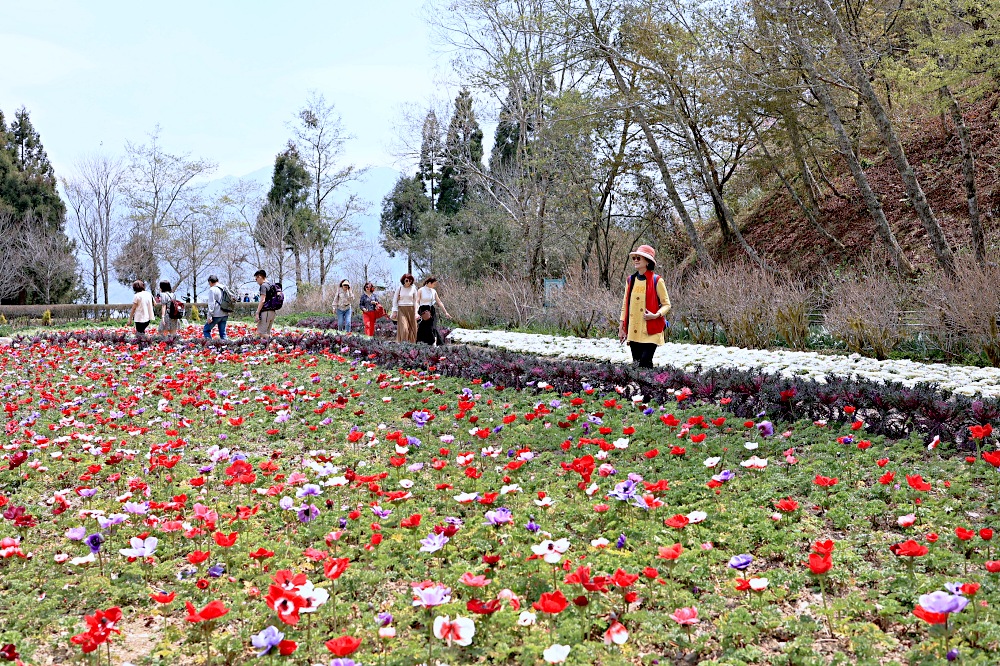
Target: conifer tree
point(463, 155)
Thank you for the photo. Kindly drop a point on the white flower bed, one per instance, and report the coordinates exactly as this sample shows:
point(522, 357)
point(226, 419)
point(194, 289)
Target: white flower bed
point(966, 380)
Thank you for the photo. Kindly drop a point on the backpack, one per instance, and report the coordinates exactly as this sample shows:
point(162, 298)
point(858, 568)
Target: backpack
point(274, 298)
point(228, 301)
point(175, 309)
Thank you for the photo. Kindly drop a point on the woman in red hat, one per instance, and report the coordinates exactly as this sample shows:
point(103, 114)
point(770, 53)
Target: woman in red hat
point(644, 309)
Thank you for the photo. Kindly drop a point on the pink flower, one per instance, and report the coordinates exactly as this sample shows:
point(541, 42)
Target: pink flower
point(685, 616)
point(616, 633)
point(907, 520)
point(474, 581)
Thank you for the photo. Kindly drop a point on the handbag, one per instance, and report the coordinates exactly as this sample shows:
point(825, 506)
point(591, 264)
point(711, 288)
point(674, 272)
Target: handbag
point(379, 311)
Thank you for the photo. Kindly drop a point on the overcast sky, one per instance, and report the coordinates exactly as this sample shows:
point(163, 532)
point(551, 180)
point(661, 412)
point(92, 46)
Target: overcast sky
point(222, 78)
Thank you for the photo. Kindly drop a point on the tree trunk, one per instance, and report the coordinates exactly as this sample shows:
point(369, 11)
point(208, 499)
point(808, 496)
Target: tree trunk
point(807, 210)
point(668, 182)
point(915, 193)
point(298, 267)
point(968, 174)
point(871, 200)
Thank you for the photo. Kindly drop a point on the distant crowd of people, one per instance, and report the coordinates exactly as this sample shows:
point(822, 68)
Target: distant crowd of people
point(414, 309)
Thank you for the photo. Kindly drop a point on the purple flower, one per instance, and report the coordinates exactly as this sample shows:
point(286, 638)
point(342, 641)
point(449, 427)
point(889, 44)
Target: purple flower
point(308, 513)
point(623, 491)
point(76, 533)
point(216, 570)
point(952, 654)
point(94, 542)
point(344, 661)
point(943, 602)
point(308, 490)
point(267, 639)
point(532, 526)
point(620, 543)
point(87, 492)
point(420, 418)
point(381, 513)
point(648, 411)
point(501, 516)
point(723, 476)
point(433, 543)
point(434, 595)
point(765, 428)
point(384, 619)
point(740, 562)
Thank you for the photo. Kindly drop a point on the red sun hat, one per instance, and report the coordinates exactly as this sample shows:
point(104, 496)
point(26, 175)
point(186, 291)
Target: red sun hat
point(645, 251)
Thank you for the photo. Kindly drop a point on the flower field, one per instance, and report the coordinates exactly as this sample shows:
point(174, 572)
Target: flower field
point(190, 504)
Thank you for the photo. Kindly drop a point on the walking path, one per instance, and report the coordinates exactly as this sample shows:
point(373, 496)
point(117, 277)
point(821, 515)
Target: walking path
point(966, 380)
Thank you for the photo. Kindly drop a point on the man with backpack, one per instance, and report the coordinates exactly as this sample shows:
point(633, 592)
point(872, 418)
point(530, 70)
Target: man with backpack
point(269, 302)
point(220, 303)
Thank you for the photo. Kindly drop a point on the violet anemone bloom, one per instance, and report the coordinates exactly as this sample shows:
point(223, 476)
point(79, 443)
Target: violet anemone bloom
point(765, 428)
point(943, 602)
point(420, 418)
point(384, 619)
point(428, 597)
point(76, 533)
point(140, 547)
point(740, 562)
point(433, 543)
point(308, 513)
point(723, 476)
point(623, 491)
point(266, 640)
point(94, 542)
point(501, 516)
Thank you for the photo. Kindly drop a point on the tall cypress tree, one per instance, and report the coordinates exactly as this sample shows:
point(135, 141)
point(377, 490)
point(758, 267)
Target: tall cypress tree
point(28, 190)
point(463, 153)
point(432, 157)
point(289, 193)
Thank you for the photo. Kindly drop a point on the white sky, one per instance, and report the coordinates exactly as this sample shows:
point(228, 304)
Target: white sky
point(222, 78)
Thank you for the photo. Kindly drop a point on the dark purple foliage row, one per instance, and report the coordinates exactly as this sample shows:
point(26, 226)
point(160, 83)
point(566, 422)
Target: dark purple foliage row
point(892, 410)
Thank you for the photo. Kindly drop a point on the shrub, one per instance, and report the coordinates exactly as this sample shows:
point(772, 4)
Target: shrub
point(194, 312)
point(794, 303)
point(864, 313)
point(3, 320)
point(960, 312)
point(584, 306)
point(47, 318)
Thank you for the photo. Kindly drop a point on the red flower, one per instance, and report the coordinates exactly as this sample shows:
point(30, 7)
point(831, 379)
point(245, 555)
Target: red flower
point(887, 478)
point(909, 548)
point(343, 645)
point(224, 540)
point(163, 597)
point(986, 534)
point(698, 439)
point(261, 554)
point(917, 482)
point(677, 450)
point(742, 585)
point(198, 556)
point(929, 617)
point(823, 547)
point(285, 603)
point(981, 432)
point(825, 481)
point(621, 578)
point(483, 608)
point(670, 552)
point(551, 602)
point(670, 420)
point(970, 589)
point(820, 564)
point(993, 566)
point(992, 458)
point(964, 534)
point(652, 453)
point(213, 611)
point(678, 522)
point(882, 462)
point(786, 505)
point(286, 647)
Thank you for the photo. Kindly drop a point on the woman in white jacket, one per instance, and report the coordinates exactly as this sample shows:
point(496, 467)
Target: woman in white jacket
point(404, 310)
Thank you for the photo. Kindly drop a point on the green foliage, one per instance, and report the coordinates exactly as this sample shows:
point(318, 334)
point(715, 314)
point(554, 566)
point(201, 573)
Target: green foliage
point(401, 216)
point(195, 316)
point(47, 318)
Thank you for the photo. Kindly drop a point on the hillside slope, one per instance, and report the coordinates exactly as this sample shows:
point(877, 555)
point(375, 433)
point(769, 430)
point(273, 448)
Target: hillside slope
point(777, 228)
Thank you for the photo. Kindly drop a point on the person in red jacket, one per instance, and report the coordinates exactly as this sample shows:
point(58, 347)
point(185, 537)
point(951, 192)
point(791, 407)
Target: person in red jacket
point(644, 308)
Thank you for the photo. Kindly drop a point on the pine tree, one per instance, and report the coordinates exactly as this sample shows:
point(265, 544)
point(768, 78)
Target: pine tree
point(505, 138)
point(431, 156)
point(400, 220)
point(463, 155)
point(289, 193)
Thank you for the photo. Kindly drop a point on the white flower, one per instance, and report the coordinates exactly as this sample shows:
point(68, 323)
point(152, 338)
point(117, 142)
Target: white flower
point(526, 619)
point(750, 446)
point(513, 488)
point(545, 501)
point(87, 559)
point(140, 548)
point(556, 654)
point(551, 551)
point(591, 489)
point(711, 462)
point(405, 483)
point(460, 630)
point(697, 517)
point(600, 543)
point(758, 584)
point(621, 443)
point(465, 498)
point(754, 463)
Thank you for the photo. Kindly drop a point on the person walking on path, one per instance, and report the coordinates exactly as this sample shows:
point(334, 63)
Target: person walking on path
point(213, 309)
point(427, 295)
point(371, 309)
point(343, 301)
point(404, 310)
point(265, 316)
point(142, 307)
point(168, 325)
point(644, 308)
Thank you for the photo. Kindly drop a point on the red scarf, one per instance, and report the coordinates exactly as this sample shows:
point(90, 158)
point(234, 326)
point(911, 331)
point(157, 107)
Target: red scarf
point(653, 326)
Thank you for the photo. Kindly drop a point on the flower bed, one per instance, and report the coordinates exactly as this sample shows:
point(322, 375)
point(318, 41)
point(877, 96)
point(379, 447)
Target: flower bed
point(963, 380)
point(296, 500)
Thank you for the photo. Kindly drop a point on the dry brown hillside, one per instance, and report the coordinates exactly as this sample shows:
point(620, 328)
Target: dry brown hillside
point(779, 230)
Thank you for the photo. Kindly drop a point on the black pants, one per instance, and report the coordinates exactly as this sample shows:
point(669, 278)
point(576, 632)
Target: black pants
point(140, 327)
point(642, 353)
